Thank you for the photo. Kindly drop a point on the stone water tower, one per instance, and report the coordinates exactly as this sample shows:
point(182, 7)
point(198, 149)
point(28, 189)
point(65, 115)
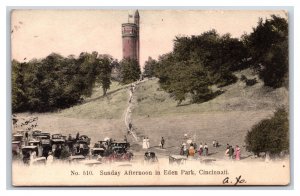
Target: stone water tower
point(131, 37)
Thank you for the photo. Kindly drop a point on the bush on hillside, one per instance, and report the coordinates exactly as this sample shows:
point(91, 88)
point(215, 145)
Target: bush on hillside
point(250, 82)
point(269, 135)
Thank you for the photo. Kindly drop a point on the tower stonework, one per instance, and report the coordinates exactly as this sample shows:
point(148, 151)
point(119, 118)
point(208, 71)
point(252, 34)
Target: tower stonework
point(131, 38)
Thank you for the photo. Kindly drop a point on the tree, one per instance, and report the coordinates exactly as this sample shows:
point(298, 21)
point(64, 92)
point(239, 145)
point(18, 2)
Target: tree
point(149, 67)
point(104, 71)
point(88, 72)
point(130, 70)
point(269, 135)
point(57, 82)
point(19, 98)
point(196, 63)
point(268, 48)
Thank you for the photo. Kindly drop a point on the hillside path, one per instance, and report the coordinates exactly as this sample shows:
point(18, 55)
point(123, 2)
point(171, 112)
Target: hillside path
point(128, 110)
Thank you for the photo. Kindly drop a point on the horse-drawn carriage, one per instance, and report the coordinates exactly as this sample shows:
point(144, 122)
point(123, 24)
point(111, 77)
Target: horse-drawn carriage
point(97, 152)
point(44, 138)
point(34, 142)
point(36, 133)
point(16, 148)
point(111, 151)
point(30, 155)
point(178, 159)
point(150, 157)
point(17, 137)
point(58, 138)
point(17, 140)
point(81, 148)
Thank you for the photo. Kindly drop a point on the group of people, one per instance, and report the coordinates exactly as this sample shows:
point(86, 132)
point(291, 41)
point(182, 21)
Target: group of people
point(192, 150)
point(215, 144)
point(233, 153)
point(146, 143)
point(203, 150)
point(29, 157)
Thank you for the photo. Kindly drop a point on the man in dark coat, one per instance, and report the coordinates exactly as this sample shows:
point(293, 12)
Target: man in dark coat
point(162, 142)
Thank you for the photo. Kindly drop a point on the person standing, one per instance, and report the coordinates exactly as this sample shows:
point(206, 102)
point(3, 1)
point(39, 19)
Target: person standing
point(237, 153)
point(26, 138)
point(49, 158)
point(185, 150)
point(231, 152)
point(144, 143)
point(181, 150)
point(162, 142)
point(70, 137)
point(147, 143)
point(130, 126)
point(32, 157)
point(227, 152)
point(200, 149)
point(81, 148)
point(205, 150)
point(191, 150)
point(40, 150)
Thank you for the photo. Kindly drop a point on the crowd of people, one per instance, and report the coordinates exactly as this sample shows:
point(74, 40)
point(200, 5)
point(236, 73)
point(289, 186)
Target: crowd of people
point(233, 153)
point(190, 149)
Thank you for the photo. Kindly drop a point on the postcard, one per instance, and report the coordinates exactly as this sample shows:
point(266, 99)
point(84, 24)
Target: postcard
point(149, 97)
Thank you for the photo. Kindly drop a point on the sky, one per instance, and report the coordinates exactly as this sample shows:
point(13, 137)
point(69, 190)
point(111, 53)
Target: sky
point(38, 33)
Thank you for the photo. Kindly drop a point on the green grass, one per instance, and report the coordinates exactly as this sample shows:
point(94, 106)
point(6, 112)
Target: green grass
point(236, 97)
point(227, 118)
point(97, 106)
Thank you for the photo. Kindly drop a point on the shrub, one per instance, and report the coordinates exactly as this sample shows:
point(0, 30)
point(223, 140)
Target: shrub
point(269, 135)
point(250, 82)
point(243, 78)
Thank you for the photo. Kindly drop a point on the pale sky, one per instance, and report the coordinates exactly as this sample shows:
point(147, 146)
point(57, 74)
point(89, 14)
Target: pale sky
point(37, 33)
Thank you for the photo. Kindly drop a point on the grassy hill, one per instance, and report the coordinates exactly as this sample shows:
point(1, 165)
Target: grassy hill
point(227, 118)
point(236, 97)
point(97, 106)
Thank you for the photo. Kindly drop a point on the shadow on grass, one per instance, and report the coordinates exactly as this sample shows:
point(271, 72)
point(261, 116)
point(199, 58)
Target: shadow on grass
point(165, 148)
point(245, 157)
point(202, 99)
point(212, 153)
point(102, 96)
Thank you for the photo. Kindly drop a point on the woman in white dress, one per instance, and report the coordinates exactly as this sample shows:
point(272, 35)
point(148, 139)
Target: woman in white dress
point(144, 143)
point(50, 158)
point(148, 142)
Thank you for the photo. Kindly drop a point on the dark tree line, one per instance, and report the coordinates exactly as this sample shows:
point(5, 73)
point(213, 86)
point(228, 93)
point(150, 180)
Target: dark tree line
point(197, 62)
point(268, 49)
point(57, 82)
